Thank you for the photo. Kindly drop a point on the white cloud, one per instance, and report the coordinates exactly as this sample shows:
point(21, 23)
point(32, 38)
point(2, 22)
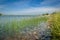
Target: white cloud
point(34, 11)
point(29, 11)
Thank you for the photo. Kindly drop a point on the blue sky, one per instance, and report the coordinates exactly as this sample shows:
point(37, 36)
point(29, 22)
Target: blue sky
point(28, 7)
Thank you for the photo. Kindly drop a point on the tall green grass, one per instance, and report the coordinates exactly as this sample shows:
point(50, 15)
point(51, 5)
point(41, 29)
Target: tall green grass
point(10, 29)
point(55, 25)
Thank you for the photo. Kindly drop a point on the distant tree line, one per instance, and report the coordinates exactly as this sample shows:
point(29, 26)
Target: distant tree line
point(0, 14)
point(46, 14)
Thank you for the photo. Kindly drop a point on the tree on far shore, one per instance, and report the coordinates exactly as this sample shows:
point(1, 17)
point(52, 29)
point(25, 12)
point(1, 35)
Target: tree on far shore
point(0, 14)
point(46, 14)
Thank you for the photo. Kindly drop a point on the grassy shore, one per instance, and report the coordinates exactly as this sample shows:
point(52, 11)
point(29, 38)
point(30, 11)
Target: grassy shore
point(16, 27)
point(13, 30)
point(54, 22)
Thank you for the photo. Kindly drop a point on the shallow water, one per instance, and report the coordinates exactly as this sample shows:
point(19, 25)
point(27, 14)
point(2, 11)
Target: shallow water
point(8, 18)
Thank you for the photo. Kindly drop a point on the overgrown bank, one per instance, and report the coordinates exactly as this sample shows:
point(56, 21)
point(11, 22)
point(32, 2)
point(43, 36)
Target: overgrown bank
point(29, 29)
point(54, 23)
point(12, 30)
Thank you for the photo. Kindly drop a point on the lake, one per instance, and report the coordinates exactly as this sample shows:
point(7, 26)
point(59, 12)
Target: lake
point(8, 18)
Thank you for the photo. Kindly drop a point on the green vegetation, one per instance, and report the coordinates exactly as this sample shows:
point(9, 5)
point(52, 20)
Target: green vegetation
point(45, 14)
point(16, 27)
point(10, 29)
point(32, 21)
point(55, 25)
point(0, 14)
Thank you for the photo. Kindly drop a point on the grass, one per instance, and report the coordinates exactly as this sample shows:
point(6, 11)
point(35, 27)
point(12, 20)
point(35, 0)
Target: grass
point(32, 22)
point(15, 27)
point(10, 29)
point(55, 25)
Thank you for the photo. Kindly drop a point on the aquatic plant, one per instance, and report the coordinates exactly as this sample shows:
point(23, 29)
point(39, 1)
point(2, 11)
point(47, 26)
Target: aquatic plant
point(10, 29)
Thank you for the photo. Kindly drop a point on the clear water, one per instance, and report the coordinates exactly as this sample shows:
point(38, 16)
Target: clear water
point(5, 19)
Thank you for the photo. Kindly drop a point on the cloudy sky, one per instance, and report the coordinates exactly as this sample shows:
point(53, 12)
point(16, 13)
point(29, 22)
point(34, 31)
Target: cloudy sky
point(28, 7)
